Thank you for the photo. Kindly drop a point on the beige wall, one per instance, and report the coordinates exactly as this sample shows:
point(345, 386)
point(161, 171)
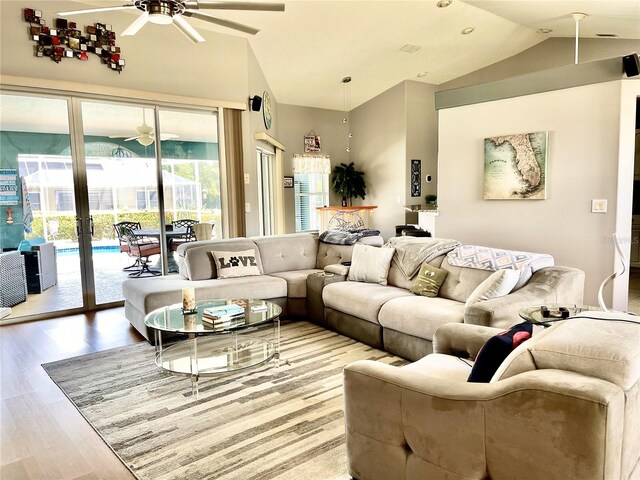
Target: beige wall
point(295, 122)
point(422, 136)
point(379, 149)
point(252, 123)
point(554, 52)
point(583, 125)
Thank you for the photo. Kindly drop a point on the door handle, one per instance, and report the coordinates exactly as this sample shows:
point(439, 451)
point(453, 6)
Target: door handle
point(78, 226)
point(90, 221)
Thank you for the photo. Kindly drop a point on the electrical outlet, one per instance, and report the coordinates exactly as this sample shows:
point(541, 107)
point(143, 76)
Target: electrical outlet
point(247, 208)
point(246, 179)
point(599, 205)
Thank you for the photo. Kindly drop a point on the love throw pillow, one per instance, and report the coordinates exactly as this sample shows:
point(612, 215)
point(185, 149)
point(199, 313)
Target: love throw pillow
point(236, 264)
point(496, 349)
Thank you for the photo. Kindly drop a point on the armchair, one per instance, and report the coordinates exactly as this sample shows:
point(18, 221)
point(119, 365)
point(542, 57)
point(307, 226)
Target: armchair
point(562, 405)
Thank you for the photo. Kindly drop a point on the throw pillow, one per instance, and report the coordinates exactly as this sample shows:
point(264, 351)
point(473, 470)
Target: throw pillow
point(498, 284)
point(236, 264)
point(428, 281)
point(370, 264)
point(496, 349)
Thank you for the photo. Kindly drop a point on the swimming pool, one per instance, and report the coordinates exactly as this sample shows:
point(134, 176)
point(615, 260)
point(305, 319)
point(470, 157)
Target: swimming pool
point(62, 251)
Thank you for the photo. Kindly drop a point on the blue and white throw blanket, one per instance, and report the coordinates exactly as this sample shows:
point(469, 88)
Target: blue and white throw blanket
point(486, 258)
point(346, 237)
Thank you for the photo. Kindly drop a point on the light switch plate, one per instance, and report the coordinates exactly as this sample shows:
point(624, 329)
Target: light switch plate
point(599, 205)
point(247, 207)
point(246, 178)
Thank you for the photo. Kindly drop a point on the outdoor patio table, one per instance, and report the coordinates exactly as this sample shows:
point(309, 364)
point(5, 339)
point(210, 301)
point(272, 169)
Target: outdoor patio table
point(169, 235)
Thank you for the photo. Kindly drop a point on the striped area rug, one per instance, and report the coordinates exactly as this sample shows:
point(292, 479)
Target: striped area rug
point(261, 423)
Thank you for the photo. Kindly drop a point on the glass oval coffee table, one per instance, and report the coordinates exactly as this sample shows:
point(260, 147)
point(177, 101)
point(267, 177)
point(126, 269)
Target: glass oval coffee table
point(215, 348)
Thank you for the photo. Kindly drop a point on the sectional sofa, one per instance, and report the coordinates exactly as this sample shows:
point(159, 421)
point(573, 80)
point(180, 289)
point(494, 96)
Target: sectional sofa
point(284, 263)
point(307, 279)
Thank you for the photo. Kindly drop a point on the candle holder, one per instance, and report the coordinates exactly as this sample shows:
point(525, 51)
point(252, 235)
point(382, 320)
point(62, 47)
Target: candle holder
point(186, 311)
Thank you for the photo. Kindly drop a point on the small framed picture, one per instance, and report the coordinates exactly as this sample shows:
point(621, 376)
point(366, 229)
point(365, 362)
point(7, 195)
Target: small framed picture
point(288, 182)
point(311, 143)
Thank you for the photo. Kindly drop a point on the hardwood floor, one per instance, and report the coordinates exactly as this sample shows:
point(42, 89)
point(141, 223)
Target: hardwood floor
point(42, 435)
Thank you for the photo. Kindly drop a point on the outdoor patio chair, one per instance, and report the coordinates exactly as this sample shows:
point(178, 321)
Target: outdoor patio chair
point(189, 236)
point(120, 230)
point(141, 248)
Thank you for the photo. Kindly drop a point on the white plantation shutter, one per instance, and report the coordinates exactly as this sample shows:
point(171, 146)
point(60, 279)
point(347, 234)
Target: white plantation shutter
point(311, 184)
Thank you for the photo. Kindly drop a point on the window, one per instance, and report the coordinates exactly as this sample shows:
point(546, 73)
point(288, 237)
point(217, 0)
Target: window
point(311, 191)
point(65, 201)
point(311, 184)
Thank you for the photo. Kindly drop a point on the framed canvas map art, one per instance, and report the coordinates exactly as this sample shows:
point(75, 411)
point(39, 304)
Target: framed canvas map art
point(515, 167)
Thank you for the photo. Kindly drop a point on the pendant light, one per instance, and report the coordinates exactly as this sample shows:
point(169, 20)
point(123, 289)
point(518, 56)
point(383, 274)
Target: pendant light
point(346, 81)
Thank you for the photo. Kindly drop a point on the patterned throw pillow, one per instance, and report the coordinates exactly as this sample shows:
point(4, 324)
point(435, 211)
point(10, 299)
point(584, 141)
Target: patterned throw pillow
point(428, 281)
point(496, 349)
point(236, 264)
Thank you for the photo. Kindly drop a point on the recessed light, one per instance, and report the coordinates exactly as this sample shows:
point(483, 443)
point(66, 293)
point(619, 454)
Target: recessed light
point(408, 48)
point(545, 30)
point(444, 3)
point(422, 74)
point(607, 35)
point(467, 30)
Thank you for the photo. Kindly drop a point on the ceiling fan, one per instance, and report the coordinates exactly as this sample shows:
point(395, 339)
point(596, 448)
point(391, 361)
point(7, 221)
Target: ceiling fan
point(166, 12)
point(145, 135)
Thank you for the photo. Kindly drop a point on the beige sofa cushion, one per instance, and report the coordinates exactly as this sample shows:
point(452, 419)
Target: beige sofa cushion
point(158, 292)
point(420, 316)
point(196, 262)
point(296, 281)
point(598, 348)
point(362, 300)
point(439, 365)
point(283, 253)
point(461, 282)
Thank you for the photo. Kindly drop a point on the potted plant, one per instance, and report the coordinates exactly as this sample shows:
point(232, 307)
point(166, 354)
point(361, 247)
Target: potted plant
point(431, 200)
point(347, 182)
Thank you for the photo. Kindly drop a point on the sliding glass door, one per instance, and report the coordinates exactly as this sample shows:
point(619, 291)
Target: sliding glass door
point(74, 169)
point(37, 202)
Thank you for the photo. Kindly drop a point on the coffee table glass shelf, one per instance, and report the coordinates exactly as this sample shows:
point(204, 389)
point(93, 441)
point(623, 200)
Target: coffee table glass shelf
point(212, 350)
point(534, 314)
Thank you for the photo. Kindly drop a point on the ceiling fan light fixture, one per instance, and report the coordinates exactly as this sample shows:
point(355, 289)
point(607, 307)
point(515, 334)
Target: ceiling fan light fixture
point(160, 13)
point(145, 140)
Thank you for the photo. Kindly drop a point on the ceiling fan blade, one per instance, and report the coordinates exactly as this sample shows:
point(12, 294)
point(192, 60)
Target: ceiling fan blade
point(137, 24)
point(224, 23)
point(93, 10)
point(119, 136)
point(187, 29)
point(168, 136)
point(132, 138)
point(267, 7)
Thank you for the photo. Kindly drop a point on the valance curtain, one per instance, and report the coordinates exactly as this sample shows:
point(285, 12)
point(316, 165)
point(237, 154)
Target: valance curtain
point(311, 164)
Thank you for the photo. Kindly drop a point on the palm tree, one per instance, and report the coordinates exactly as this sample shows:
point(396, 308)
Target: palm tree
point(347, 182)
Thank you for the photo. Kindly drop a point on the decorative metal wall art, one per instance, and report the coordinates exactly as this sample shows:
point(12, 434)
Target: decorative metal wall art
point(416, 185)
point(66, 41)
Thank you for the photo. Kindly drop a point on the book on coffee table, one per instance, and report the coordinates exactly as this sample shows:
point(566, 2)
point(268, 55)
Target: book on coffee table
point(224, 322)
point(222, 311)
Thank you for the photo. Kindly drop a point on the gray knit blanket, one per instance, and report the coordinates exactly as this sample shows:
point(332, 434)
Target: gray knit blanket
point(412, 252)
point(346, 237)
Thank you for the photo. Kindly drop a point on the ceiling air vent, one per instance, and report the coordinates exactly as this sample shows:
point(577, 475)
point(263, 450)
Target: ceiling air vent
point(606, 35)
point(408, 48)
